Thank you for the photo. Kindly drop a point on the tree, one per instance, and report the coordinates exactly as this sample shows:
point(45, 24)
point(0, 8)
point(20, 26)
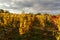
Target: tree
point(38, 14)
point(6, 12)
point(1, 11)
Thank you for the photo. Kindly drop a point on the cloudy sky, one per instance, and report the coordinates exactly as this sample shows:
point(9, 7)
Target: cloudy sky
point(51, 6)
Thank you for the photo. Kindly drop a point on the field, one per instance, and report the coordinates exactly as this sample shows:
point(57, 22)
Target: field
point(29, 26)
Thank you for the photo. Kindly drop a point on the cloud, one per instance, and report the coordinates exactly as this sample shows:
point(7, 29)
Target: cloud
point(31, 5)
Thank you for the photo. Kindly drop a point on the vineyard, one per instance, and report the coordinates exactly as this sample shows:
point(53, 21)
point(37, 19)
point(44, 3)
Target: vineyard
point(29, 26)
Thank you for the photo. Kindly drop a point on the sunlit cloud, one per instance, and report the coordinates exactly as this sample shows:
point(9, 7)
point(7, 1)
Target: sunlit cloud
point(7, 5)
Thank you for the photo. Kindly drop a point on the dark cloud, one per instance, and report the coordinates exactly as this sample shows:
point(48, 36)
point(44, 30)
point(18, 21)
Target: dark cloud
point(24, 4)
point(31, 4)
